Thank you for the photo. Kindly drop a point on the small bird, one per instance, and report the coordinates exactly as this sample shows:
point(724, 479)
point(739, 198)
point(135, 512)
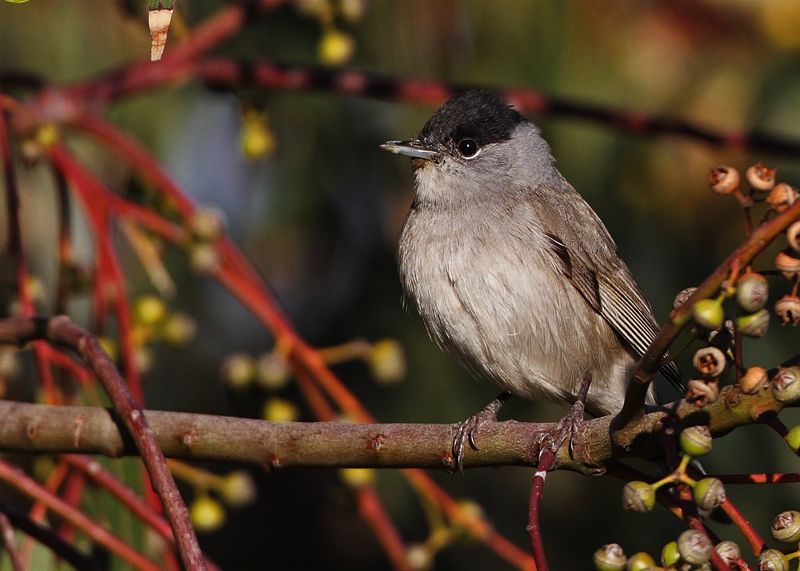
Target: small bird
point(511, 271)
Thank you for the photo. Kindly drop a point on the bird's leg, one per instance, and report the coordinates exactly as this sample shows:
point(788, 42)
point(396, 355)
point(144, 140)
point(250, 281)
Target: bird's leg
point(468, 429)
point(567, 427)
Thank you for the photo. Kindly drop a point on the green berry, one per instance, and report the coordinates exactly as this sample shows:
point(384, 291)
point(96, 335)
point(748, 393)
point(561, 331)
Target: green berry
point(207, 514)
point(729, 552)
point(752, 292)
point(641, 562)
point(638, 496)
point(786, 526)
point(695, 547)
point(609, 558)
point(708, 313)
point(696, 440)
point(670, 554)
point(708, 493)
point(773, 560)
point(793, 438)
point(786, 384)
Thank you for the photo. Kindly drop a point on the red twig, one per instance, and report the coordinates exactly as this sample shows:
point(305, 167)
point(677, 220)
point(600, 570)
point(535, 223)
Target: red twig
point(19, 480)
point(10, 543)
point(371, 509)
point(534, 504)
point(776, 478)
point(748, 531)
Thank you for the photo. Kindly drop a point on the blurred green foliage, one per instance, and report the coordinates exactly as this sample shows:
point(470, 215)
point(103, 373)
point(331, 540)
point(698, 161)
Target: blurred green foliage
point(320, 218)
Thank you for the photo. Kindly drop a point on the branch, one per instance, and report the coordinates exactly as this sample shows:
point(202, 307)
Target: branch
point(90, 430)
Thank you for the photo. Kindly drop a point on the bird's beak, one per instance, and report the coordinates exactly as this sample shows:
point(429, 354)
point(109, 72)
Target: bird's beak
point(414, 148)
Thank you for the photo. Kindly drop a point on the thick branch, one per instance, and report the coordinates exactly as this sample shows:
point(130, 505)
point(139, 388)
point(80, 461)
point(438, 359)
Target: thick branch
point(45, 428)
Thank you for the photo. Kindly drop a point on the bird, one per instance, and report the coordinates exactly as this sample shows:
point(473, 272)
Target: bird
point(511, 271)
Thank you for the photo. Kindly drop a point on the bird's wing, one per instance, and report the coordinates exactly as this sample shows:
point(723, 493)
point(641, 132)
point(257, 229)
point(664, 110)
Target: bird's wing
point(614, 295)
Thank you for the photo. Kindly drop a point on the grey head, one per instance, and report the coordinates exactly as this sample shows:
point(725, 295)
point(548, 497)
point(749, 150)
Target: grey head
point(475, 147)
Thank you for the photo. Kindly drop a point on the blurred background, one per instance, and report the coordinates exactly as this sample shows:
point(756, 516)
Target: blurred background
point(320, 213)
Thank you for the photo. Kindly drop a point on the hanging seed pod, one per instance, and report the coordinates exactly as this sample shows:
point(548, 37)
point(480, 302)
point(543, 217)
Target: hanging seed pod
point(752, 292)
point(760, 177)
point(772, 560)
point(781, 197)
point(702, 392)
point(754, 379)
point(641, 562)
point(709, 361)
point(708, 313)
point(670, 554)
point(788, 309)
point(723, 179)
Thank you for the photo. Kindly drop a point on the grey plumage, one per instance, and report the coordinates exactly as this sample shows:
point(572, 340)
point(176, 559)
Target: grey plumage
point(510, 269)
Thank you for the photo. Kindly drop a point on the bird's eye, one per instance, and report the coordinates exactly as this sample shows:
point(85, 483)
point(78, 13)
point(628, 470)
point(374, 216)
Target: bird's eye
point(468, 148)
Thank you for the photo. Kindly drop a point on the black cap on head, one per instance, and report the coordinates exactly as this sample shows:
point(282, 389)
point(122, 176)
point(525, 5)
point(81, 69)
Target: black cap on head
point(479, 114)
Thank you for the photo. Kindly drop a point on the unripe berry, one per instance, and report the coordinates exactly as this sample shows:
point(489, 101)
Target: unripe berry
point(207, 514)
point(760, 177)
point(753, 380)
point(638, 496)
point(708, 313)
point(179, 330)
point(729, 552)
point(336, 47)
point(357, 477)
point(273, 370)
point(792, 438)
point(670, 555)
point(709, 493)
point(753, 325)
point(149, 310)
point(752, 292)
point(696, 440)
point(694, 547)
point(610, 558)
point(257, 139)
point(207, 223)
point(279, 410)
point(786, 526)
point(723, 179)
point(203, 258)
point(641, 562)
point(772, 560)
point(786, 384)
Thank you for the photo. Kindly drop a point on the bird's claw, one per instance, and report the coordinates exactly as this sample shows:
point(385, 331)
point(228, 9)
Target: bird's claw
point(467, 430)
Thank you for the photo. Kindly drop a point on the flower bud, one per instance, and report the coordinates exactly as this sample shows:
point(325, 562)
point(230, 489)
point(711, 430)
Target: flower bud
point(273, 370)
point(760, 177)
point(772, 560)
point(754, 325)
point(787, 264)
point(788, 309)
point(207, 223)
point(702, 391)
point(708, 313)
point(387, 361)
point(786, 526)
point(279, 410)
point(786, 384)
point(638, 496)
point(695, 548)
point(781, 197)
point(149, 310)
point(752, 292)
point(709, 493)
point(709, 361)
point(753, 380)
point(207, 514)
point(792, 438)
point(641, 562)
point(238, 370)
point(729, 552)
point(723, 179)
point(793, 236)
point(696, 440)
point(670, 555)
point(238, 489)
point(610, 558)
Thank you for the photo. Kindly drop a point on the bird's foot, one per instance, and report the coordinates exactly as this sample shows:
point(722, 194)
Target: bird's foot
point(467, 430)
point(566, 428)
